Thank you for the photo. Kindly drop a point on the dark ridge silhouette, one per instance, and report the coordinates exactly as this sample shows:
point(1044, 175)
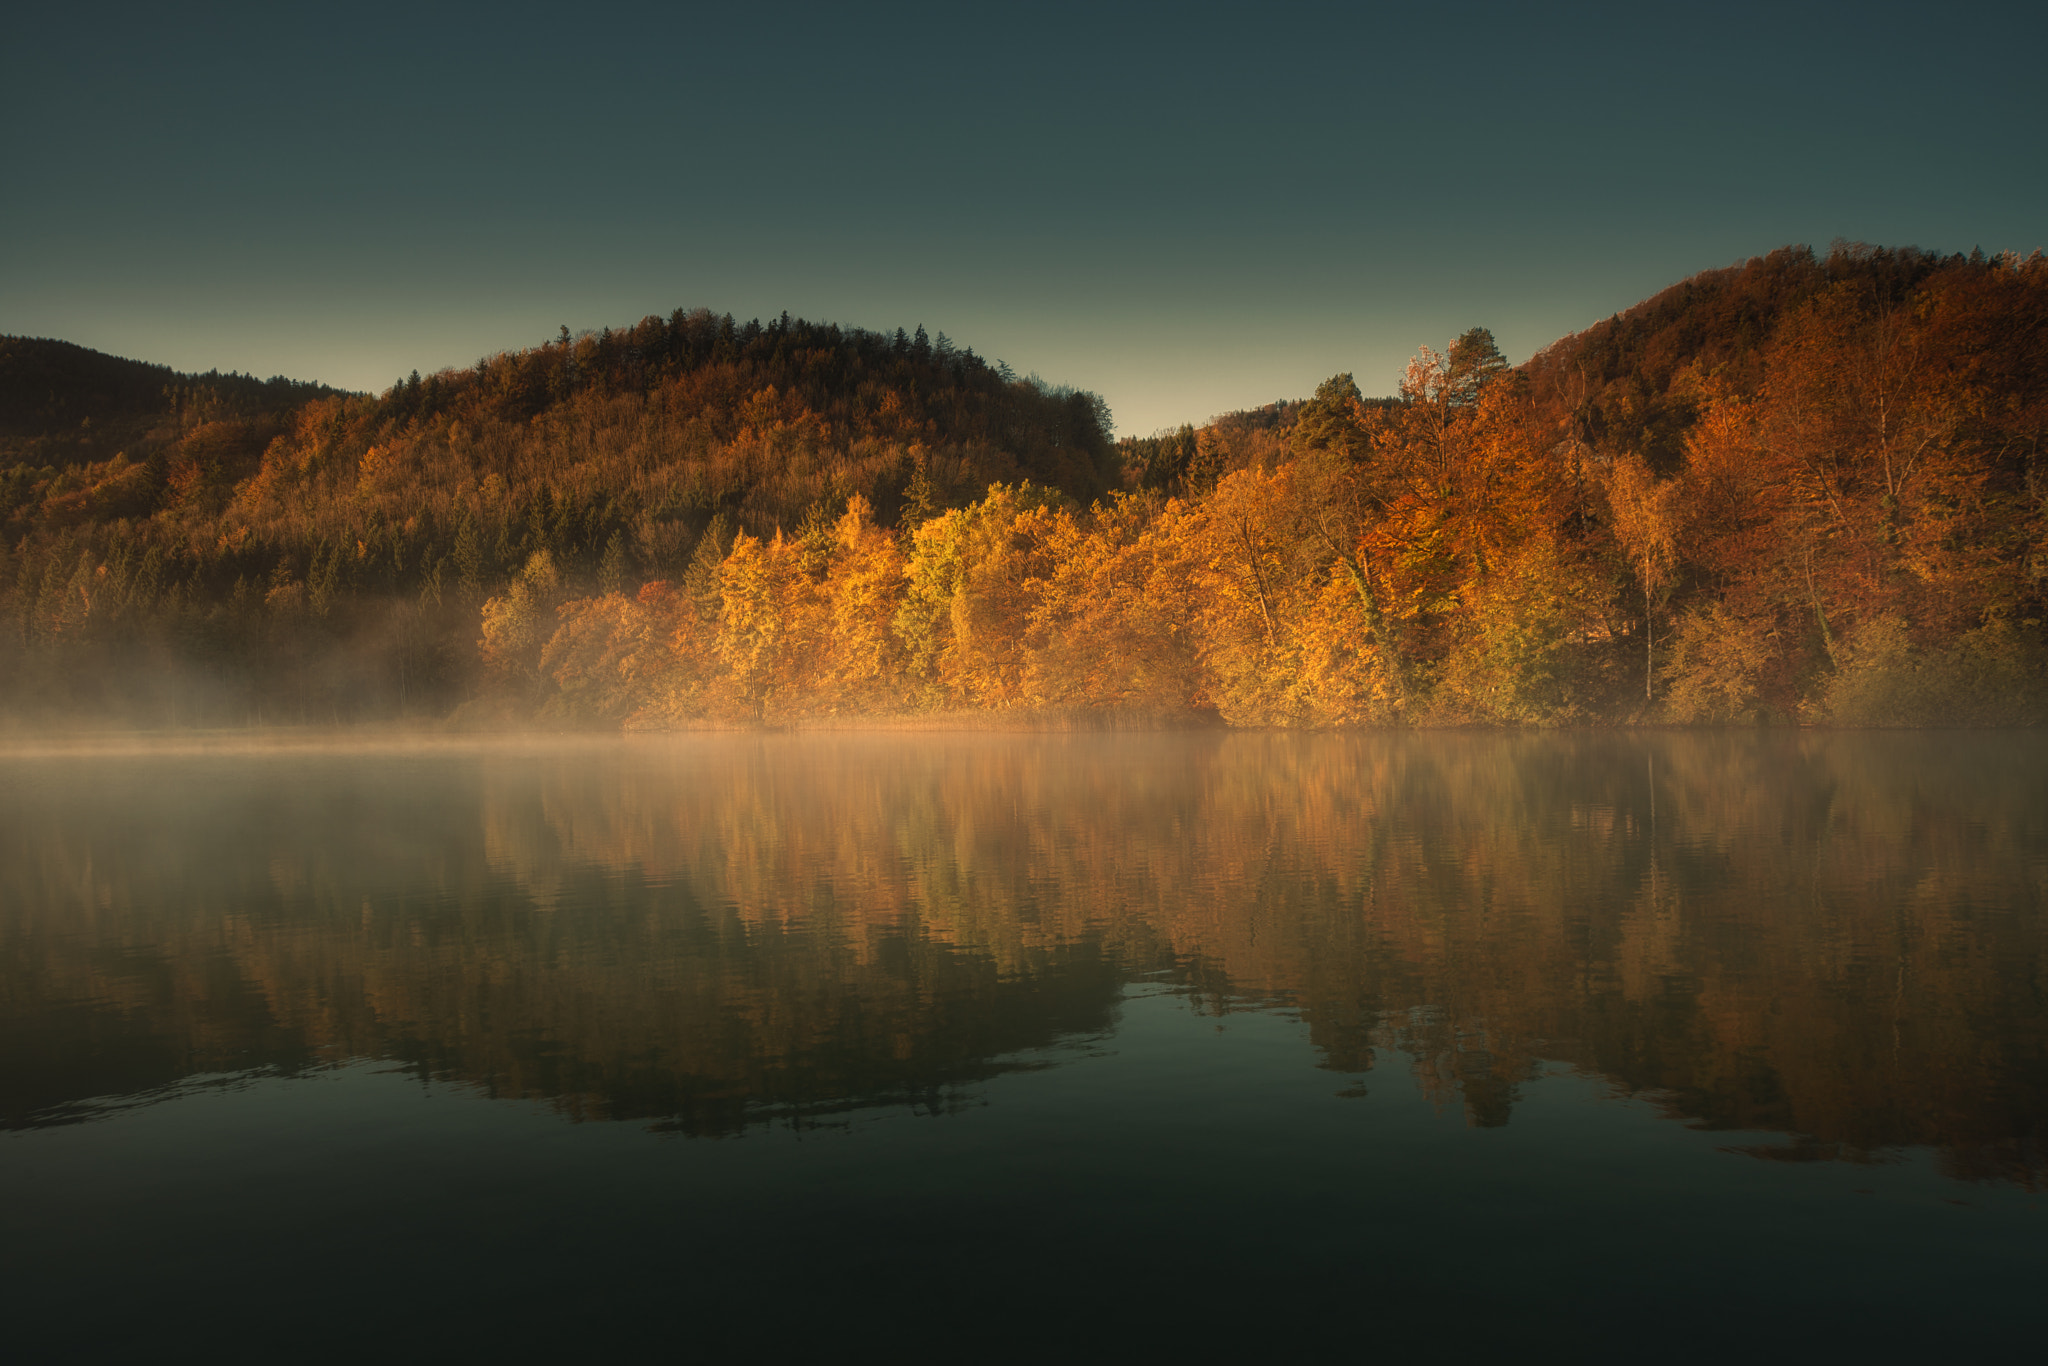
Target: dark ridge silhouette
point(63, 404)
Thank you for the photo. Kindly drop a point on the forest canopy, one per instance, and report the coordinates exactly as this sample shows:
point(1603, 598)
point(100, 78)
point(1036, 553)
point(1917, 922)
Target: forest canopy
point(1804, 488)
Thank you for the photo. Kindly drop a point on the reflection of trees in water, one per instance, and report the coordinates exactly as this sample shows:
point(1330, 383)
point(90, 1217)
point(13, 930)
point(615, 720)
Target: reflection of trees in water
point(1835, 937)
point(358, 916)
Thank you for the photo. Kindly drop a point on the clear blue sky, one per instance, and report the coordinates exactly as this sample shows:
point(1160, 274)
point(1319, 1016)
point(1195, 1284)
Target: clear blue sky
point(1188, 209)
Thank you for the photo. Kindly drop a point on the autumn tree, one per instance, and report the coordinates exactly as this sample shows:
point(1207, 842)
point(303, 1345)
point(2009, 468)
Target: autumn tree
point(1646, 525)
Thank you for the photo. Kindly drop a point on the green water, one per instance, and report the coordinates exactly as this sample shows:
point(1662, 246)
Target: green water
point(1687, 1045)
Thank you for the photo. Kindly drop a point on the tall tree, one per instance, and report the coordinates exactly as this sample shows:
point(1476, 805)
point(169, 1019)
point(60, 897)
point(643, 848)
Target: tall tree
point(1646, 523)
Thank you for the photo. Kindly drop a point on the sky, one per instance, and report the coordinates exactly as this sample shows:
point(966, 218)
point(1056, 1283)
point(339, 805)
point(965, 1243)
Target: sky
point(1186, 208)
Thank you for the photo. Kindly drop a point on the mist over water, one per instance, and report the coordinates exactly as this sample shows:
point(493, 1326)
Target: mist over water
point(1342, 1023)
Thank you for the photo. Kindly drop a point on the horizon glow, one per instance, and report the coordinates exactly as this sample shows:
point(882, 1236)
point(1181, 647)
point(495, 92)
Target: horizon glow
point(1186, 210)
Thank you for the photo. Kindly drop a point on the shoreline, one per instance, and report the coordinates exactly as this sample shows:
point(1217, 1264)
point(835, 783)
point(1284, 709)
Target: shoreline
point(424, 737)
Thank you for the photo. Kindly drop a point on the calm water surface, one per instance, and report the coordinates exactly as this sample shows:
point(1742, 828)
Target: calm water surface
point(1678, 1045)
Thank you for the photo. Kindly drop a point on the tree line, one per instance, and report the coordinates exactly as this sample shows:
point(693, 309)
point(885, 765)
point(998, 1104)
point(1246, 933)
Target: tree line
point(1804, 488)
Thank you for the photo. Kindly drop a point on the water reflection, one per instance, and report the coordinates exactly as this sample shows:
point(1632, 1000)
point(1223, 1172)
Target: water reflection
point(1839, 938)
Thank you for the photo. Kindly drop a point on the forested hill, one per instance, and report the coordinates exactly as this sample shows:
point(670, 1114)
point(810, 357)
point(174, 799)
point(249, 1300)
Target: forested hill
point(295, 549)
point(1801, 488)
point(1639, 380)
point(63, 405)
point(1805, 488)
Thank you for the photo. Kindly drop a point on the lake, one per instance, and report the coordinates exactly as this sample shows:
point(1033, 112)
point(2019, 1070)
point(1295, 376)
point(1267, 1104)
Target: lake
point(1685, 1044)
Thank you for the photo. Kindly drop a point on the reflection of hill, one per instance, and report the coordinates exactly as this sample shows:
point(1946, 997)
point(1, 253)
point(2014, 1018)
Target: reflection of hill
point(1835, 937)
point(189, 924)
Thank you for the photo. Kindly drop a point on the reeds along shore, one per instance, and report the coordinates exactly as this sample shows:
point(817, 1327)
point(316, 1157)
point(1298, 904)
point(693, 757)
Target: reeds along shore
point(1800, 490)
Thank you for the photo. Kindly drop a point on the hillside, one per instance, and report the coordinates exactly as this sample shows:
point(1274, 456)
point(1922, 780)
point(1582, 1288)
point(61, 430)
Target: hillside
point(63, 405)
point(1800, 489)
point(328, 556)
point(1638, 380)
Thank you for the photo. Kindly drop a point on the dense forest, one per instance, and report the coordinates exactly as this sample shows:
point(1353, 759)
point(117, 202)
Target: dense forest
point(1801, 489)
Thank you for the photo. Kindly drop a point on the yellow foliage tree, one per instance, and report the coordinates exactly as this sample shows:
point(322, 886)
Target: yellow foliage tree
point(864, 592)
point(1646, 523)
point(761, 587)
point(517, 626)
point(1113, 625)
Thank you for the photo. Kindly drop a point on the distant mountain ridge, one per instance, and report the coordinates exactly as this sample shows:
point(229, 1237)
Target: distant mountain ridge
point(65, 404)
